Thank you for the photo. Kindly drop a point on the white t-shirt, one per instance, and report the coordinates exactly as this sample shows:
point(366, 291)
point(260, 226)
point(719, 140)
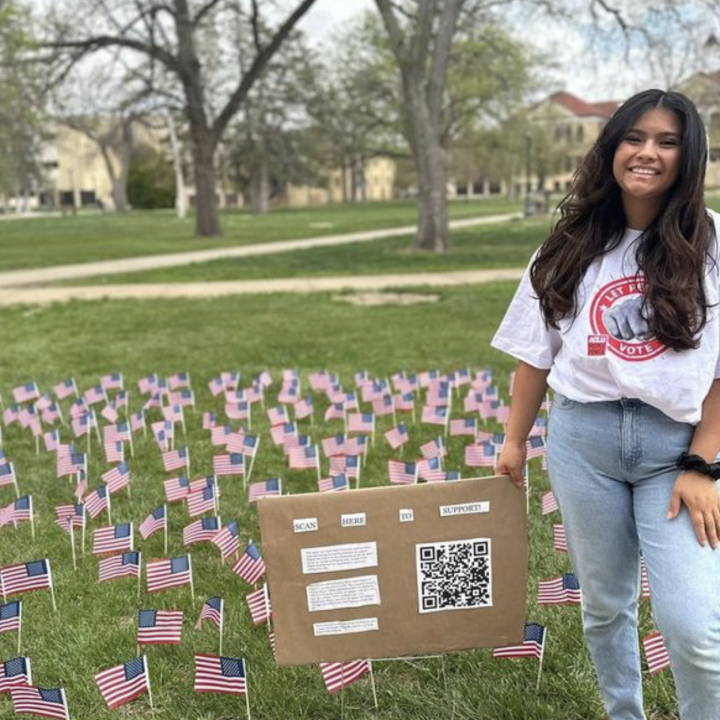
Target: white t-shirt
point(606, 352)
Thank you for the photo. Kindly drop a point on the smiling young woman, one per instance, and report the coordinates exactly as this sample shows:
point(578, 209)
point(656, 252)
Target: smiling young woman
point(618, 314)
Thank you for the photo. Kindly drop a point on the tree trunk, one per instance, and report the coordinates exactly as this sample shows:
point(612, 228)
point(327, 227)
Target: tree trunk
point(180, 197)
point(259, 187)
point(430, 161)
point(207, 217)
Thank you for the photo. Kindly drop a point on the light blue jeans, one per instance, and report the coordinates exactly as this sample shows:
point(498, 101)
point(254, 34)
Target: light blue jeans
point(612, 470)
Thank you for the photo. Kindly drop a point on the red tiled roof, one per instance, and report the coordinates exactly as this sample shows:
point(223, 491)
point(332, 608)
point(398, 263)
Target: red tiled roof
point(581, 108)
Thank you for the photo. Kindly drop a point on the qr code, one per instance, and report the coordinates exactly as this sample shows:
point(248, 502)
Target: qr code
point(454, 575)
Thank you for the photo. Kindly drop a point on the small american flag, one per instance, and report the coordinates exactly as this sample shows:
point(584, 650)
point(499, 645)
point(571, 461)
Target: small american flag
point(212, 610)
point(232, 464)
point(176, 459)
point(148, 384)
point(168, 573)
point(246, 444)
point(303, 408)
point(357, 445)
point(237, 410)
point(180, 380)
point(404, 402)
point(339, 675)
point(79, 407)
point(258, 603)
point(176, 489)
point(82, 425)
point(113, 539)
point(173, 413)
point(266, 488)
point(24, 393)
point(304, 458)
point(51, 440)
point(209, 420)
point(549, 503)
point(123, 683)
point(46, 702)
point(250, 566)
point(656, 653)
point(434, 415)
point(71, 464)
point(439, 396)
point(24, 577)
point(15, 673)
point(67, 515)
point(65, 389)
point(203, 530)
point(11, 616)
point(217, 674)
point(346, 465)
point(11, 415)
point(113, 381)
point(397, 436)
point(227, 539)
point(361, 422)
point(7, 474)
point(559, 539)
point(201, 501)
point(533, 645)
point(95, 395)
point(219, 434)
point(335, 483)
point(114, 452)
point(159, 627)
point(97, 501)
point(535, 447)
point(434, 449)
point(128, 564)
point(278, 415)
point(137, 421)
point(51, 414)
point(17, 511)
point(384, 405)
point(183, 398)
point(156, 520)
point(464, 426)
point(335, 411)
point(480, 455)
point(119, 432)
point(117, 478)
point(402, 473)
point(430, 469)
point(563, 590)
point(281, 433)
point(334, 445)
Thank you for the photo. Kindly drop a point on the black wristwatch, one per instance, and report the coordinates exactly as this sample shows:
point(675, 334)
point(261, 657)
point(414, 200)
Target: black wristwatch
point(695, 463)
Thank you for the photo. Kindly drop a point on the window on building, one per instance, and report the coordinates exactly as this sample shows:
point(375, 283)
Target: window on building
point(461, 189)
point(67, 198)
point(478, 188)
point(495, 188)
point(87, 197)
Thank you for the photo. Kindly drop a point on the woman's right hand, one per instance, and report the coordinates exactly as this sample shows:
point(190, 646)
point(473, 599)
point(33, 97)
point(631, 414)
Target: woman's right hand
point(511, 461)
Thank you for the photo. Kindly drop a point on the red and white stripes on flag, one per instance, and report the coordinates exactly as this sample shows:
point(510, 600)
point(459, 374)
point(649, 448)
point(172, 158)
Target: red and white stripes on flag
point(24, 577)
point(168, 573)
point(123, 683)
point(656, 653)
point(46, 702)
point(338, 675)
point(113, 539)
point(549, 503)
point(159, 627)
point(259, 605)
point(217, 674)
point(559, 539)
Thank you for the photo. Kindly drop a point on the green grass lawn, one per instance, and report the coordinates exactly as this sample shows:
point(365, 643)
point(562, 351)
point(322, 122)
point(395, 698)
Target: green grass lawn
point(501, 245)
point(95, 625)
point(41, 242)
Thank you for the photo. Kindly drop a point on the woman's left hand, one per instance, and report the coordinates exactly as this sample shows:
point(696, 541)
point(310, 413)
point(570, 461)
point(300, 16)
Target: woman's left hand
point(699, 494)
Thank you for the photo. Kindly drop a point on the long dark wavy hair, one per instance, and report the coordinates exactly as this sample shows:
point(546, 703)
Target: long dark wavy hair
point(672, 251)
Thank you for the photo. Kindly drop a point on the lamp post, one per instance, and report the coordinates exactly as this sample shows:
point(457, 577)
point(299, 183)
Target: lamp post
point(528, 150)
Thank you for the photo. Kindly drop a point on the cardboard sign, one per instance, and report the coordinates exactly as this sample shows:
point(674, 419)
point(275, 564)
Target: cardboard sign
point(393, 571)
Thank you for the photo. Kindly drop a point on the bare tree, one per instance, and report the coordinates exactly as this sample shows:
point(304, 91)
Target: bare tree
point(169, 34)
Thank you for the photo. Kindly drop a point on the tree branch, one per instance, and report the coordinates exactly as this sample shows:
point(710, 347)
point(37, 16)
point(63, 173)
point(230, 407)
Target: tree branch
point(203, 11)
point(259, 63)
point(394, 31)
point(441, 53)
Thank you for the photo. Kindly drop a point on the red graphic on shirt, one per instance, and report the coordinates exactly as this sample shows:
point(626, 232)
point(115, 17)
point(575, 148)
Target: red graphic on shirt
point(615, 312)
point(597, 345)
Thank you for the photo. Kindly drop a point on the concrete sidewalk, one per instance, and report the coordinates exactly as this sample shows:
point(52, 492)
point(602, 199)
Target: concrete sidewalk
point(57, 273)
point(43, 295)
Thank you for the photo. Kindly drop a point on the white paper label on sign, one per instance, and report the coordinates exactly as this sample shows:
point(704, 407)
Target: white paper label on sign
point(471, 508)
point(305, 525)
point(353, 520)
point(348, 593)
point(407, 515)
point(334, 558)
point(345, 627)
